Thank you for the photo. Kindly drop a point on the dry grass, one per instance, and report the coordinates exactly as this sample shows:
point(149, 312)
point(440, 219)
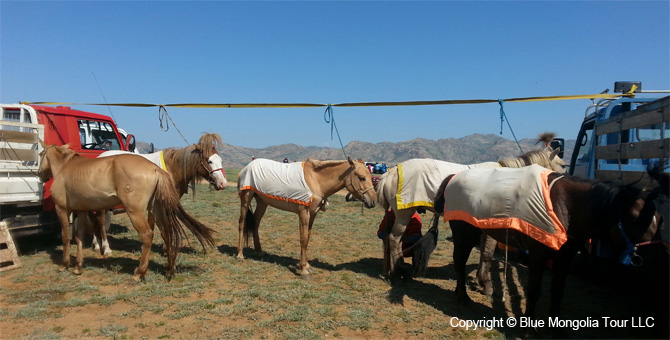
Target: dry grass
point(214, 295)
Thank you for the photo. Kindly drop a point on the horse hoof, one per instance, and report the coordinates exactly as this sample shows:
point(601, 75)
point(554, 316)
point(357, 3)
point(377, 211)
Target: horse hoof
point(306, 277)
point(240, 257)
point(77, 271)
point(62, 268)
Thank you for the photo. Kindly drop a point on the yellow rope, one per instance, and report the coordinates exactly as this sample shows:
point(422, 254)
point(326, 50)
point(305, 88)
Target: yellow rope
point(363, 104)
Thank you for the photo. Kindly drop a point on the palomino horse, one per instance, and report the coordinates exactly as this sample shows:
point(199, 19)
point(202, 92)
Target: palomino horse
point(302, 188)
point(82, 185)
point(420, 180)
point(561, 215)
point(184, 164)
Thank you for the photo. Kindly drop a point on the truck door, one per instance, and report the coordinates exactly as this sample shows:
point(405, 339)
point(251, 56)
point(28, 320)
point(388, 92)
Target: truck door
point(581, 163)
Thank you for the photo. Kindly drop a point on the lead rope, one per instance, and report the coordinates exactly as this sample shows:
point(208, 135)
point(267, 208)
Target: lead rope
point(329, 117)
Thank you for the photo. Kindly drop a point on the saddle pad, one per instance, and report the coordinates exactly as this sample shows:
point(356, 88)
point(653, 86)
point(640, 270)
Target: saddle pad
point(420, 178)
point(514, 198)
point(281, 181)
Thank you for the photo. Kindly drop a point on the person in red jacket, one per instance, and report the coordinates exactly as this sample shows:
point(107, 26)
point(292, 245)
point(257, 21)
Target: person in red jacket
point(411, 235)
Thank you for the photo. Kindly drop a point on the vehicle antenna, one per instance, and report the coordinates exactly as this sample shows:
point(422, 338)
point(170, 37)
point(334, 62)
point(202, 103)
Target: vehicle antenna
point(103, 97)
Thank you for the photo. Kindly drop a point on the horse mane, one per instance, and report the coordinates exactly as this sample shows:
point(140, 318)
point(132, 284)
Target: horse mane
point(539, 157)
point(210, 140)
point(187, 160)
point(319, 164)
point(607, 200)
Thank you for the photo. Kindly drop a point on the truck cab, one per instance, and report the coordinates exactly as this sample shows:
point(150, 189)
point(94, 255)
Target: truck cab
point(618, 139)
point(25, 202)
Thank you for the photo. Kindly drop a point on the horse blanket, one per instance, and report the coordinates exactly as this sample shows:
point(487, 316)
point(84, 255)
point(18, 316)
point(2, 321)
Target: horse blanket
point(156, 157)
point(281, 181)
point(506, 198)
point(419, 179)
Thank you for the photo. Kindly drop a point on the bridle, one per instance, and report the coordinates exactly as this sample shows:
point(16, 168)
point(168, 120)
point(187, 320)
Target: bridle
point(360, 192)
point(210, 172)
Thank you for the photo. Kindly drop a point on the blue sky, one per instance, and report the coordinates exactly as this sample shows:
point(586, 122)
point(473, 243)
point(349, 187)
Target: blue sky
point(330, 52)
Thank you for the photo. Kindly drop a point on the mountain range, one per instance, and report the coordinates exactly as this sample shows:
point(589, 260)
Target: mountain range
point(475, 148)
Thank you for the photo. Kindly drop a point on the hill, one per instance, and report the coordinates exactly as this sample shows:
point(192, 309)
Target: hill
point(474, 148)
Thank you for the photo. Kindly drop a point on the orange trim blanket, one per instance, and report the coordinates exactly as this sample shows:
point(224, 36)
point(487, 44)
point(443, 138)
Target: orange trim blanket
point(280, 181)
point(506, 198)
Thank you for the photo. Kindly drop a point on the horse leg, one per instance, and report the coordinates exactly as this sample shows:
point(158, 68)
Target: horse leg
point(537, 262)
point(465, 237)
point(261, 206)
point(396, 259)
point(487, 247)
point(99, 231)
point(304, 216)
point(559, 272)
point(245, 202)
point(141, 224)
point(80, 234)
point(63, 217)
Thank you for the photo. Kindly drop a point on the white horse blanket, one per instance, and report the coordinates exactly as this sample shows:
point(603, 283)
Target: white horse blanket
point(420, 178)
point(156, 157)
point(275, 180)
point(506, 198)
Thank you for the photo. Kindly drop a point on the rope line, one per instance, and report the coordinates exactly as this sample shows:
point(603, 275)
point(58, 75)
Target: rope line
point(162, 114)
point(329, 117)
point(503, 117)
point(363, 104)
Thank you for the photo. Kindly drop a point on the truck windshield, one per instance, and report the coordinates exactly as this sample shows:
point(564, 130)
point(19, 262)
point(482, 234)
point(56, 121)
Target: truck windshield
point(95, 135)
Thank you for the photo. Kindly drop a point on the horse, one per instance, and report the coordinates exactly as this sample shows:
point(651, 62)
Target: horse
point(420, 180)
point(302, 188)
point(577, 210)
point(98, 184)
point(199, 160)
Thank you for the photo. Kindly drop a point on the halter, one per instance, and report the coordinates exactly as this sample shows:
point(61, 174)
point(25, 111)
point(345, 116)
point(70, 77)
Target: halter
point(351, 183)
point(213, 170)
point(630, 256)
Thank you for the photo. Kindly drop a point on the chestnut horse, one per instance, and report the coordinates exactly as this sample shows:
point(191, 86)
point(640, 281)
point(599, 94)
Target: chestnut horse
point(302, 188)
point(584, 208)
point(184, 164)
point(415, 179)
point(83, 185)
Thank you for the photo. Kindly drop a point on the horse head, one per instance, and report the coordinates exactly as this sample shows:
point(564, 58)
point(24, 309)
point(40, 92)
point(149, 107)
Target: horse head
point(52, 158)
point(212, 164)
point(640, 219)
point(555, 163)
point(359, 183)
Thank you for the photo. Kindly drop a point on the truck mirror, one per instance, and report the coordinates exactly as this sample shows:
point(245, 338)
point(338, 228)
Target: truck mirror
point(130, 143)
point(151, 148)
point(558, 143)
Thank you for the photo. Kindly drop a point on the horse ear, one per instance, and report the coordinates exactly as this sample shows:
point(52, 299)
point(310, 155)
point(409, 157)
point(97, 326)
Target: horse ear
point(66, 146)
point(350, 160)
point(43, 144)
point(554, 152)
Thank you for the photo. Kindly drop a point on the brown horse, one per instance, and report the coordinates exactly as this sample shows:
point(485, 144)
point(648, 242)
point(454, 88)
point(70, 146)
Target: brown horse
point(420, 180)
point(582, 208)
point(187, 164)
point(302, 188)
point(82, 185)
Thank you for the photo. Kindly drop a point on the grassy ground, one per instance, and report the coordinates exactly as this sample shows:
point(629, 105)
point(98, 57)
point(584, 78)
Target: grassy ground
point(216, 296)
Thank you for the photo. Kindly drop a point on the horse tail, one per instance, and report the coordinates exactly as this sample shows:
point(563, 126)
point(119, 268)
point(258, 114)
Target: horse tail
point(171, 218)
point(425, 246)
point(249, 223)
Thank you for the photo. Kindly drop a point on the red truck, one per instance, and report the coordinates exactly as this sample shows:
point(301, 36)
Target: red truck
point(25, 202)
